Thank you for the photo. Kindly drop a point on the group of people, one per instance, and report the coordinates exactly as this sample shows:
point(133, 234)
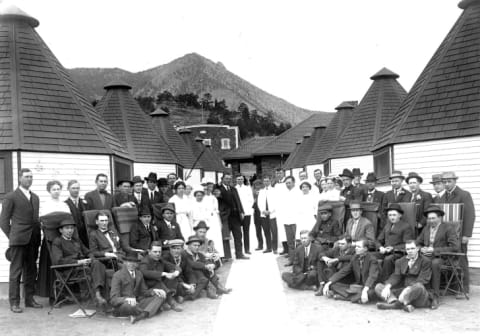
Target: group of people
point(397, 262)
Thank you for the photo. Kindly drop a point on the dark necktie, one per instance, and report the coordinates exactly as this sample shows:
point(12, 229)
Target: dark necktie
point(447, 196)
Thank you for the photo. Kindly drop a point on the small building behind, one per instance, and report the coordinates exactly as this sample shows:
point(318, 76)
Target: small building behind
point(220, 138)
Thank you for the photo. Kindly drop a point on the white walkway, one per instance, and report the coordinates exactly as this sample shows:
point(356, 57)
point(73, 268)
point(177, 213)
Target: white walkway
point(257, 304)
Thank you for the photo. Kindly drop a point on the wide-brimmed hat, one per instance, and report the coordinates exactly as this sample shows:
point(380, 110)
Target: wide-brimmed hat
point(397, 173)
point(175, 242)
point(201, 225)
point(434, 208)
point(121, 181)
point(168, 206)
point(414, 175)
point(347, 173)
point(325, 207)
point(162, 182)
point(357, 172)
point(137, 179)
point(152, 177)
point(449, 175)
point(67, 221)
point(394, 206)
point(436, 178)
point(356, 205)
point(371, 177)
point(193, 239)
point(131, 256)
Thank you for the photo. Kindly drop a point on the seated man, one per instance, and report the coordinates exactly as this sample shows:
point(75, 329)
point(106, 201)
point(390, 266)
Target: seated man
point(207, 248)
point(105, 242)
point(204, 271)
point(392, 239)
point(67, 250)
point(405, 288)
point(143, 233)
point(359, 227)
point(184, 282)
point(155, 270)
point(167, 227)
point(130, 295)
point(435, 238)
point(306, 258)
point(364, 267)
point(327, 230)
point(332, 260)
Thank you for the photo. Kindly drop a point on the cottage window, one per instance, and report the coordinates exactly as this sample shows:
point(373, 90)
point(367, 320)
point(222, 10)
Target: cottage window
point(122, 169)
point(382, 164)
point(6, 178)
point(326, 168)
point(207, 142)
point(225, 143)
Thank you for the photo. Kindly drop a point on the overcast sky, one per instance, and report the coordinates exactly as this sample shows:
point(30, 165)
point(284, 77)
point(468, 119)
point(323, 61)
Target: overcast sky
point(313, 54)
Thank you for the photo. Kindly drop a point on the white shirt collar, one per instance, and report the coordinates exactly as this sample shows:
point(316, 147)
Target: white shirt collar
point(26, 192)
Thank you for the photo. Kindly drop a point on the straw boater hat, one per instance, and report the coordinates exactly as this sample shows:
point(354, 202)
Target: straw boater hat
point(434, 208)
point(449, 175)
point(436, 178)
point(397, 173)
point(371, 177)
point(347, 173)
point(396, 207)
point(414, 175)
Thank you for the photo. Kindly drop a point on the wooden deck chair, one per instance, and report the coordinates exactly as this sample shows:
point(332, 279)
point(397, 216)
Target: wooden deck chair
point(124, 219)
point(409, 214)
point(338, 212)
point(370, 211)
point(451, 270)
point(66, 275)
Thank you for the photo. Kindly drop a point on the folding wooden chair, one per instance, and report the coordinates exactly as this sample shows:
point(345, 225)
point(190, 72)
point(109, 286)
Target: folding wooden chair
point(409, 214)
point(370, 211)
point(338, 212)
point(451, 270)
point(124, 219)
point(66, 275)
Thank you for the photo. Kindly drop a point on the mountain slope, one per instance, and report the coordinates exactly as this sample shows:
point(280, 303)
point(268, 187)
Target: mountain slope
point(191, 73)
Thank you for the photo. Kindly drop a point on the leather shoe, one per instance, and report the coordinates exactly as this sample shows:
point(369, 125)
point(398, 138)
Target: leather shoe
point(32, 304)
point(244, 257)
point(135, 319)
point(247, 252)
point(16, 309)
point(319, 292)
point(222, 290)
point(392, 305)
point(408, 308)
point(435, 303)
point(275, 252)
point(267, 251)
point(259, 248)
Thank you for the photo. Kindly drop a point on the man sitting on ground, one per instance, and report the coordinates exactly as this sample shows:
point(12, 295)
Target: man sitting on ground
point(364, 267)
point(327, 230)
point(305, 264)
point(405, 288)
point(155, 270)
point(130, 295)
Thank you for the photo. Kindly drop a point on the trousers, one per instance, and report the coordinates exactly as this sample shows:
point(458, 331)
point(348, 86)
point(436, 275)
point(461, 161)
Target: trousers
point(290, 232)
point(246, 232)
point(417, 295)
point(150, 305)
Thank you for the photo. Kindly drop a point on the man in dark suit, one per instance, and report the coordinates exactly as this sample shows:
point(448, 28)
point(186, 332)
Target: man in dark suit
point(230, 202)
point(140, 196)
point(77, 205)
point(398, 194)
point(391, 241)
point(372, 195)
point(454, 194)
point(105, 241)
point(100, 198)
point(153, 194)
point(365, 270)
point(167, 227)
point(437, 237)
point(306, 258)
point(406, 287)
point(123, 196)
point(20, 223)
point(421, 199)
point(439, 188)
point(349, 192)
point(143, 233)
point(130, 296)
point(326, 230)
point(357, 183)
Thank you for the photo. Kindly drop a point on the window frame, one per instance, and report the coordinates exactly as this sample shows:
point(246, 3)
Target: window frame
point(7, 175)
point(383, 177)
point(225, 147)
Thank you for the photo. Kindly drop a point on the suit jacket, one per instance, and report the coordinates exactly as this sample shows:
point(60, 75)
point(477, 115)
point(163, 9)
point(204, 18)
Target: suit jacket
point(144, 201)
point(364, 230)
point(326, 232)
point(76, 212)
point(164, 233)
point(405, 276)
point(140, 237)
point(395, 235)
point(313, 259)
point(377, 197)
point(422, 200)
point(120, 198)
point(231, 201)
point(186, 274)
point(124, 286)
point(440, 199)
point(404, 196)
point(99, 245)
point(446, 239)
point(68, 251)
point(19, 218)
point(366, 276)
point(157, 196)
point(152, 271)
point(459, 195)
point(95, 203)
point(196, 263)
point(352, 193)
point(343, 257)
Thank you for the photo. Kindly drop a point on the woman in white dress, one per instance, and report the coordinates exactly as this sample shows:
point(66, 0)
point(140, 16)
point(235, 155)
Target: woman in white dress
point(182, 209)
point(214, 222)
point(308, 206)
point(332, 194)
point(54, 203)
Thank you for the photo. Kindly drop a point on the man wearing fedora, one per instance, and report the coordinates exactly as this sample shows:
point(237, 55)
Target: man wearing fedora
point(164, 189)
point(357, 181)
point(129, 294)
point(421, 199)
point(359, 227)
point(406, 287)
point(123, 197)
point(398, 194)
point(364, 268)
point(391, 240)
point(439, 188)
point(207, 248)
point(167, 226)
point(372, 195)
point(143, 232)
point(454, 194)
point(152, 191)
point(100, 198)
point(349, 192)
point(20, 223)
point(66, 249)
point(437, 237)
point(326, 230)
point(140, 195)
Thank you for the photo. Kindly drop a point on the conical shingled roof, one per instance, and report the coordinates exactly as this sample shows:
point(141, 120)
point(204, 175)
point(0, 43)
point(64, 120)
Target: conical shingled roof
point(208, 160)
point(304, 150)
point(324, 144)
point(41, 109)
point(163, 127)
point(371, 116)
point(444, 102)
point(132, 126)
